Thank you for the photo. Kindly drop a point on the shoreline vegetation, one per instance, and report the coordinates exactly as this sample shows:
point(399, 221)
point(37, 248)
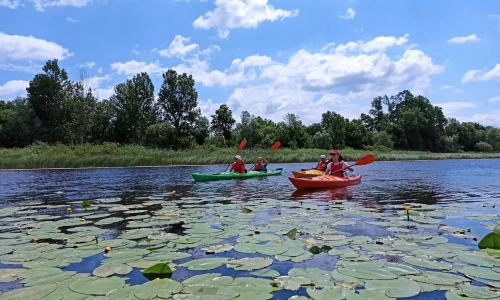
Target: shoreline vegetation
point(110, 155)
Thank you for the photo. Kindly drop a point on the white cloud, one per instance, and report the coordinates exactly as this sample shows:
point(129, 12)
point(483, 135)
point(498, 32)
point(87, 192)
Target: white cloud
point(89, 64)
point(12, 4)
point(134, 50)
point(377, 44)
point(69, 19)
point(40, 5)
point(12, 89)
point(349, 14)
point(134, 67)
point(450, 108)
point(99, 71)
point(231, 14)
point(489, 119)
point(270, 88)
point(179, 47)
point(478, 75)
point(447, 87)
point(18, 47)
point(464, 39)
point(494, 99)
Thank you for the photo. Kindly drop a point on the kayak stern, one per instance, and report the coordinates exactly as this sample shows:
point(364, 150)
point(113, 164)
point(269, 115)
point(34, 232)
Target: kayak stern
point(324, 182)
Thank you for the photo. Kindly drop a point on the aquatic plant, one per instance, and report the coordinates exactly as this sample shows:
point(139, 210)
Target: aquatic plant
point(412, 260)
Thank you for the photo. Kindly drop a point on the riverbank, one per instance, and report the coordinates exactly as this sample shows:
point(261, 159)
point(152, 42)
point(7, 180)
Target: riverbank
point(110, 155)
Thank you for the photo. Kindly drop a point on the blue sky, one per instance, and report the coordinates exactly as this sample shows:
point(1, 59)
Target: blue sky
point(266, 56)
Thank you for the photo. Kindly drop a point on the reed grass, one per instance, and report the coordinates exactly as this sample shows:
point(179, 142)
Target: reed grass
point(40, 156)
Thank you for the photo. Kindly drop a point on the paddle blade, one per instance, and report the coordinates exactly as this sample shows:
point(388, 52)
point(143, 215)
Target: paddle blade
point(242, 144)
point(275, 146)
point(365, 160)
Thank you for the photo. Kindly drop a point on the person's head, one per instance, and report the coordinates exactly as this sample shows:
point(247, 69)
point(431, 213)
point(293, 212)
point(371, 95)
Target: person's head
point(336, 157)
point(237, 158)
point(323, 158)
point(260, 159)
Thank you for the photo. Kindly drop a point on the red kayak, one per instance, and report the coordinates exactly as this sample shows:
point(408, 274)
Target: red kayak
point(322, 182)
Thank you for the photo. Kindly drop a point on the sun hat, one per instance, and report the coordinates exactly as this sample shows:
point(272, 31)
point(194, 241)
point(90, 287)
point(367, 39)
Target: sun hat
point(335, 152)
point(323, 156)
point(237, 157)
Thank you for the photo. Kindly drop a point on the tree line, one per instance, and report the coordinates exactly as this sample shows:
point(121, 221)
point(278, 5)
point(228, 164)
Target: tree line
point(58, 110)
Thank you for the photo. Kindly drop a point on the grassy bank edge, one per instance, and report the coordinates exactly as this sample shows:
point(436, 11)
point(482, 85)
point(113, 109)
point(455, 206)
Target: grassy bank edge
point(112, 156)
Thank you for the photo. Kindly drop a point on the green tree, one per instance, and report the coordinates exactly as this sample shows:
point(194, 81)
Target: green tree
point(355, 133)
point(201, 129)
point(48, 95)
point(21, 127)
point(179, 100)
point(222, 122)
point(334, 124)
point(134, 105)
point(322, 140)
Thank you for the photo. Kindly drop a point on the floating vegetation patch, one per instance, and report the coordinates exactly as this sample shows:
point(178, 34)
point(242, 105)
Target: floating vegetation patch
point(224, 254)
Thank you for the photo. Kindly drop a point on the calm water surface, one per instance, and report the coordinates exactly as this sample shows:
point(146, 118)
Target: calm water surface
point(428, 182)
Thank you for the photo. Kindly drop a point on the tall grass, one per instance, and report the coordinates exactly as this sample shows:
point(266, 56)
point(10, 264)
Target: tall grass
point(111, 155)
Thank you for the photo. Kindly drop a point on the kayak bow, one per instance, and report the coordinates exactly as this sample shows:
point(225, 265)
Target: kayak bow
point(200, 177)
point(307, 173)
point(321, 182)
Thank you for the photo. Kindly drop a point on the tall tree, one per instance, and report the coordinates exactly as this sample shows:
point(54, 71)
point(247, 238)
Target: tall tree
point(48, 95)
point(135, 108)
point(334, 125)
point(222, 122)
point(179, 100)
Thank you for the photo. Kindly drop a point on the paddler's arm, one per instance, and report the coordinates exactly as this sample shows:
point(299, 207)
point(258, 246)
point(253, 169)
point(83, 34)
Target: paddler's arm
point(327, 171)
point(346, 167)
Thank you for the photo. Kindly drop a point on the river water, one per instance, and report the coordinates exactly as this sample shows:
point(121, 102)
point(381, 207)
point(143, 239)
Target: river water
point(471, 182)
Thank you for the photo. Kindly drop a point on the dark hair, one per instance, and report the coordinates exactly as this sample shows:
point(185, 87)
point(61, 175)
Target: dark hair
point(340, 159)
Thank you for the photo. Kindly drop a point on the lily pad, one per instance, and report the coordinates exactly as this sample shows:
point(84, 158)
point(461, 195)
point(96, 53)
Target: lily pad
point(218, 248)
point(162, 288)
point(367, 273)
point(248, 264)
point(205, 263)
point(426, 263)
point(210, 279)
point(96, 285)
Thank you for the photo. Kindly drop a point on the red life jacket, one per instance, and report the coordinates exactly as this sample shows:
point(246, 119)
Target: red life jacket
point(258, 167)
point(337, 167)
point(322, 165)
point(238, 168)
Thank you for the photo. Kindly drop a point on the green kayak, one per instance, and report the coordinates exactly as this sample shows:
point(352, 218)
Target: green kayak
point(199, 177)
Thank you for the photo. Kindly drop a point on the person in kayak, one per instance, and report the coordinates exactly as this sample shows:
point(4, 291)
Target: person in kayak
point(337, 163)
point(261, 164)
point(322, 164)
point(238, 166)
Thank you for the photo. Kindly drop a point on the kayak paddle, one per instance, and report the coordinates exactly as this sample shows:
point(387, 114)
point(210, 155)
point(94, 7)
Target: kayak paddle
point(274, 147)
point(242, 144)
point(363, 161)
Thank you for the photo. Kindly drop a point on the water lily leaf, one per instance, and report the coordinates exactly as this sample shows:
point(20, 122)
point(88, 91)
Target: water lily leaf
point(491, 240)
point(248, 264)
point(438, 278)
point(485, 273)
point(246, 248)
point(210, 279)
point(272, 248)
point(205, 263)
point(291, 283)
point(54, 278)
point(427, 287)
point(158, 270)
point(327, 294)
point(314, 274)
point(395, 288)
point(266, 273)
point(218, 248)
point(96, 285)
point(108, 221)
point(367, 273)
point(167, 255)
point(208, 292)
point(425, 263)
point(400, 269)
point(264, 237)
point(162, 288)
point(478, 292)
point(303, 257)
point(111, 269)
point(30, 293)
point(8, 275)
point(291, 234)
point(479, 259)
point(6, 249)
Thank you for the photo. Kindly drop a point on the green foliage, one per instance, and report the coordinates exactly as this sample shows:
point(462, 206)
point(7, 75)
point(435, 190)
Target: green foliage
point(484, 147)
point(85, 204)
point(64, 113)
point(160, 270)
point(491, 240)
